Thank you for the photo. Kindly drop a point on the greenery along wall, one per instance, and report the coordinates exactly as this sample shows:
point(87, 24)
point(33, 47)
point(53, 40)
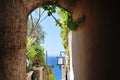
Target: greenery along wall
point(64, 31)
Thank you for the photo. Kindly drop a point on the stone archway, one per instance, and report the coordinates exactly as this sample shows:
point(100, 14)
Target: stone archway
point(13, 22)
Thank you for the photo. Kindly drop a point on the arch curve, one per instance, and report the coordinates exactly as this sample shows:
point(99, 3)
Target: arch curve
point(33, 4)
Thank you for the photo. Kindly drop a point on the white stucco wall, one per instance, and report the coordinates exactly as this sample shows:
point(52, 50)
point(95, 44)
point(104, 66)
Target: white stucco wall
point(70, 50)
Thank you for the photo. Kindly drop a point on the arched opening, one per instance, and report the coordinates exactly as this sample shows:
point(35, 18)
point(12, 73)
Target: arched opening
point(35, 37)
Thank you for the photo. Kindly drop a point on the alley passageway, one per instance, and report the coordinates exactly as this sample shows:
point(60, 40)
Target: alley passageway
point(93, 46)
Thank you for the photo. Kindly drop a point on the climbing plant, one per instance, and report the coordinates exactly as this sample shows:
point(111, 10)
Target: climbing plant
point(69, 22)
point(64, 31)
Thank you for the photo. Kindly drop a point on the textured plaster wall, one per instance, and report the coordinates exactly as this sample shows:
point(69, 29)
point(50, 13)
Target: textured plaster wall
point(94, 44)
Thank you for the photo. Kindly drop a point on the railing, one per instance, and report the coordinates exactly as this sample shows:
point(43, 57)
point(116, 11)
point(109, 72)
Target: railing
point(29, 74)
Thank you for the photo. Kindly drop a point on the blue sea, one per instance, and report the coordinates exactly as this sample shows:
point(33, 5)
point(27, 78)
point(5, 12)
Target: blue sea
point(57, 71)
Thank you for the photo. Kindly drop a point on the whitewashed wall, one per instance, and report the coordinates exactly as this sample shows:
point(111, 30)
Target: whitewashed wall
point(70, 50)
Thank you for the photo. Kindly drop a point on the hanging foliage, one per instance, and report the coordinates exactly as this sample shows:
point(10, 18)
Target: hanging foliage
point(69, 21)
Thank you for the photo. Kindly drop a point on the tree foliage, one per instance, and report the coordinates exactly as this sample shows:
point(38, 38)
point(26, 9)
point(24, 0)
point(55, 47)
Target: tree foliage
point(30, 50)
point(35, 30)
point(50, 9)
point(35, 53)
point(39, 59)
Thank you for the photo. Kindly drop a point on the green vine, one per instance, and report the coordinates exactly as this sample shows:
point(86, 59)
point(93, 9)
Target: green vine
point(70, 22)
point(74, 24)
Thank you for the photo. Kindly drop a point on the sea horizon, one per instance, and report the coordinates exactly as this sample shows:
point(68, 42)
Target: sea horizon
point(52, 60)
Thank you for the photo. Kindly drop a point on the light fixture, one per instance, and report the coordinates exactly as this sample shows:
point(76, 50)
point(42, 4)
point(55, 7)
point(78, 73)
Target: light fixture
point(61, 59)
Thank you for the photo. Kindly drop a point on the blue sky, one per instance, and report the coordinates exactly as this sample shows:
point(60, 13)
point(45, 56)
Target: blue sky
point(53, 42)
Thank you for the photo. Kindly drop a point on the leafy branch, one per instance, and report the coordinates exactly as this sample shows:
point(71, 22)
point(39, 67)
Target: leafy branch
point(70, 22)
